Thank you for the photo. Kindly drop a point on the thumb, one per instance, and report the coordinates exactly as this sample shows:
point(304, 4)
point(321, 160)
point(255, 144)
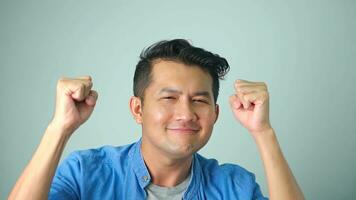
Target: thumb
point(86, 107)
point(90, 100)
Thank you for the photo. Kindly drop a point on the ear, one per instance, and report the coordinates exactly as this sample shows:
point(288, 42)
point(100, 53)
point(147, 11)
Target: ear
point(217, 111)
point(136, 109)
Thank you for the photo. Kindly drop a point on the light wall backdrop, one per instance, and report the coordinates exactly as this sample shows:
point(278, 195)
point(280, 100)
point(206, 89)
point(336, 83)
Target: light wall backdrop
point(304, 50)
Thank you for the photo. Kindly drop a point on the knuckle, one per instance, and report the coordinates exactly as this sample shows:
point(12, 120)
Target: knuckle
point(261, 84)
point(239, 89)
point(61, 80)
point(265, 85)
point(265, 94)
point(238, 82)
point(81, 86)
point(90, 84)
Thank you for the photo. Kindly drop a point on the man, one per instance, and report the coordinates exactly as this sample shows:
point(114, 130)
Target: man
point(176, 87)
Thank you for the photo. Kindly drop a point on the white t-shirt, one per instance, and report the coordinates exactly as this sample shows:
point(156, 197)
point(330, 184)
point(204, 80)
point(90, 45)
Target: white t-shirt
point(155, 192)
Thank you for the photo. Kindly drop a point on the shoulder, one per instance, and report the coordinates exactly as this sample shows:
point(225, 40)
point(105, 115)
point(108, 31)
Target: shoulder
point(212, 169)
point(230, 181)
point(89, 172)
point(104, 155)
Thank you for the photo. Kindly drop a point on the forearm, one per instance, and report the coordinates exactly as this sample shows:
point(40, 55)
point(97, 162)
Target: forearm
point(35, 181)
point(281, 182)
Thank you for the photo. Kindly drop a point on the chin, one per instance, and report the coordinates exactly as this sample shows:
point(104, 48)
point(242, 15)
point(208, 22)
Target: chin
point(182, 150)
point(186, 145)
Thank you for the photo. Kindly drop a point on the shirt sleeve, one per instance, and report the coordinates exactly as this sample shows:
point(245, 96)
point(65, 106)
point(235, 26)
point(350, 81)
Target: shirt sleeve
point(257, 194)
point(65, 184)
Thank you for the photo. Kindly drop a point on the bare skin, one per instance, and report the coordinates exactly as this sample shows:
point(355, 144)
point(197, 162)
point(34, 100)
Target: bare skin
point(177, 120)
point(250, 105)
point(75, 102)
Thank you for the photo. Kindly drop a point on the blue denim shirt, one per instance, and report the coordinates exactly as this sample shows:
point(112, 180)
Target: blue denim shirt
point(120, 173)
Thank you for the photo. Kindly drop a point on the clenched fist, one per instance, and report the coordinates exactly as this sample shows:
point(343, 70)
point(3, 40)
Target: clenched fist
point(250, 105)
point(75, 101)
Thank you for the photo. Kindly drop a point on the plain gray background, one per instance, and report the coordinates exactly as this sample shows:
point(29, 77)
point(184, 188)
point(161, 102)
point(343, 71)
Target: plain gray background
point(304, 50)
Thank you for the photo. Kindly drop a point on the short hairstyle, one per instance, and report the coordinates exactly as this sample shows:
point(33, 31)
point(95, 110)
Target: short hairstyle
point(178, 50)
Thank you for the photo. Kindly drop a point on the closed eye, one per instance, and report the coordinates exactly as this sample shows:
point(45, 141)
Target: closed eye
point(169, 97)
point(201, 101)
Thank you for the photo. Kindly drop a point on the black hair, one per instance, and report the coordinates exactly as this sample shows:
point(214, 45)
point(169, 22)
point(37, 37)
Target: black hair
point(178, 50)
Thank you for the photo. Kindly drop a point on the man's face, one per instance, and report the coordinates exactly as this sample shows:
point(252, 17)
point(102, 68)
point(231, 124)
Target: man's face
point(178, 111)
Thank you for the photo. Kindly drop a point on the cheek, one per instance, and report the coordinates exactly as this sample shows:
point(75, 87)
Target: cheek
point(207, 120)
point(157, 114)
point(207, 115)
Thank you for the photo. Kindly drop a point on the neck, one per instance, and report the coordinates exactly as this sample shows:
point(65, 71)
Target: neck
point(165, 171)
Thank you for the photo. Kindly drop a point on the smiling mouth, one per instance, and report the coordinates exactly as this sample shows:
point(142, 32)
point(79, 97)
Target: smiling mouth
point(184, 130)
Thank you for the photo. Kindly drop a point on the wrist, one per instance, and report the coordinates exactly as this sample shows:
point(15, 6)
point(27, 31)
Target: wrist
point(56, 129)
point(263, 135)
point(267, 144)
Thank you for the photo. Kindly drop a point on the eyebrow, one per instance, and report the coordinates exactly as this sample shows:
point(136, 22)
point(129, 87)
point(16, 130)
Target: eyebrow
point(169, 90)
point(176, 91)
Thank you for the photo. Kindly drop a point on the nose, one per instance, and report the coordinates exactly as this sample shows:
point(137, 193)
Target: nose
point(185, 112)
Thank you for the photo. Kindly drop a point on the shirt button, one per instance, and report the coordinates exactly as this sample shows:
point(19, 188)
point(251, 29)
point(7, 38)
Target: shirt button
point(144, 178)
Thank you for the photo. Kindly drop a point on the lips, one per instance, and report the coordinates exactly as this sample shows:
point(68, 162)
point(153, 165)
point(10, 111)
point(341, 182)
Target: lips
point(184, 129)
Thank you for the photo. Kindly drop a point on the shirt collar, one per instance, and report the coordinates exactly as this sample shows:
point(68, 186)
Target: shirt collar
point(143, 176)
point(196, 178)
point(138, 165)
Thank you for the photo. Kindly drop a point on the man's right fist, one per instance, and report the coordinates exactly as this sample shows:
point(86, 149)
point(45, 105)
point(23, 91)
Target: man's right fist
point(75, 102)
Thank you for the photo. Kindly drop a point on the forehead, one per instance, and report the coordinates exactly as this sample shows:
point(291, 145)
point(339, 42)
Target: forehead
point(181, 76)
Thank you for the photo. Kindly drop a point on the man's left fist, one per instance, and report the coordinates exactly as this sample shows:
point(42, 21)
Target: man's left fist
point(250, 105)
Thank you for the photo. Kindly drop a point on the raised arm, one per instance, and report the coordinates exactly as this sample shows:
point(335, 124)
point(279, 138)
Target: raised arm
point(250, 106)
point(75, 102)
